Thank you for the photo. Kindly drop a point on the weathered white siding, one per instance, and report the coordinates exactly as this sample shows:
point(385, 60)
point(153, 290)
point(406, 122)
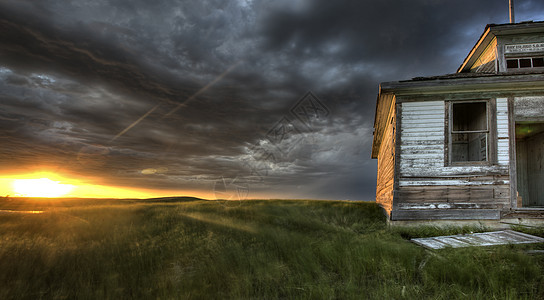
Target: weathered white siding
point(429, 186)
point(422, 137)
point(503, 157)
point(422, 148)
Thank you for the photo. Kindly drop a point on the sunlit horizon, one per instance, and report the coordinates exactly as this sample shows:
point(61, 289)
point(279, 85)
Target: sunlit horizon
point(42, 187)
point(53, 185)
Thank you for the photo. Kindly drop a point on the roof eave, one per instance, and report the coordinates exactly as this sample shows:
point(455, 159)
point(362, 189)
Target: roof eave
point(486, 37)
point(487, 83)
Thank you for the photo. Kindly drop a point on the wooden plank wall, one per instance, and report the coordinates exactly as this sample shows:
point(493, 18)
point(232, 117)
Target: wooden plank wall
point(521, 173)
point(386, 164)
point(487, 62)
point(422, 136)
point(529, 109)
point(427, 182)
point(503, 142)
point(535, 169)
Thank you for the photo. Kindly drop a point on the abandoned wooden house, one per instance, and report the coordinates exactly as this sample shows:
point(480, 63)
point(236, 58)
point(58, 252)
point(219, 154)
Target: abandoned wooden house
point(469, 145)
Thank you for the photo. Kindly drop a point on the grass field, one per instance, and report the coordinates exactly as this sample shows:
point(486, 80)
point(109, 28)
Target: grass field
point(195, 249)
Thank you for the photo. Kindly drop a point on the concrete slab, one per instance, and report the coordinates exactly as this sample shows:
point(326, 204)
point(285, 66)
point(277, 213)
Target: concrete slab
point(502, 237)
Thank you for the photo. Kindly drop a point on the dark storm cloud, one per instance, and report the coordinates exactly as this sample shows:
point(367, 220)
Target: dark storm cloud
point(212, 79)
point(31, 43)
point(387, 31)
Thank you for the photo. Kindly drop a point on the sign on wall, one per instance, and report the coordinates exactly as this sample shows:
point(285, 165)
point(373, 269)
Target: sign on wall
point(524, 48)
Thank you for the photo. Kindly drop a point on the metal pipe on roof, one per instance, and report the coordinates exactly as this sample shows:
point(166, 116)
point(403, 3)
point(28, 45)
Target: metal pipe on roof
point(511, 4)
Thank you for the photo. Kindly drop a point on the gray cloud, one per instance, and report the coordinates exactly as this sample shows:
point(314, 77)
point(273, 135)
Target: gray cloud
point(74, 75)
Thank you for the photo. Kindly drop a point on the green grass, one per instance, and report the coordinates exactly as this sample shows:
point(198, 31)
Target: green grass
point(197, 249)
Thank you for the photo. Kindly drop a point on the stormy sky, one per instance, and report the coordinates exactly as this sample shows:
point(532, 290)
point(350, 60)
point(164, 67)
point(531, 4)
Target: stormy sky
point(267, 98)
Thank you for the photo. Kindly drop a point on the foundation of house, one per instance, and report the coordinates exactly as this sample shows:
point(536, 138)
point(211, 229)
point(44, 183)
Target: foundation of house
point(517, 217)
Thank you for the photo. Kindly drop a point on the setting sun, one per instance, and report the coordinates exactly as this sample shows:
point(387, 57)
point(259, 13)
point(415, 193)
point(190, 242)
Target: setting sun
point(55, 185)
point(43, 187)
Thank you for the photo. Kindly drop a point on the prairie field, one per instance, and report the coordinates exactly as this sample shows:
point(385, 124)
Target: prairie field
point(187, 248)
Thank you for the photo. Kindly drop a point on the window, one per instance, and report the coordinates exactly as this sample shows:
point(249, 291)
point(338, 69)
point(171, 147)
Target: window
point(469, 132)
point(512, 64)
point(538, 62)
point(526, 62)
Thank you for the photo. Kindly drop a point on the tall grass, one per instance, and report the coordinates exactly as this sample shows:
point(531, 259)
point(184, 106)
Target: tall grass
point(118, 249)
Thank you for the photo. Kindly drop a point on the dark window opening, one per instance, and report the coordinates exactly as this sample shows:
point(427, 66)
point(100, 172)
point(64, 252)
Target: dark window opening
point(529, 62)
point(469, 132)
point(512, 63)
point(538, 62)
point(525, 63)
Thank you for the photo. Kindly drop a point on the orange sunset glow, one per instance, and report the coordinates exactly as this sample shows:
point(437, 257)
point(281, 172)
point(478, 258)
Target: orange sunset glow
point(51, 185)
point(43, 187)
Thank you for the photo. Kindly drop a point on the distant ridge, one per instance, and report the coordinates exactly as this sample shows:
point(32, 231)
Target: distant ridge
point(174, 199)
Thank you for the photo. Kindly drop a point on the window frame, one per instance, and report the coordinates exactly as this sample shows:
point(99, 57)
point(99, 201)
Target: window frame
point(490, 133)
point(518, 62)
point(519, 56)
